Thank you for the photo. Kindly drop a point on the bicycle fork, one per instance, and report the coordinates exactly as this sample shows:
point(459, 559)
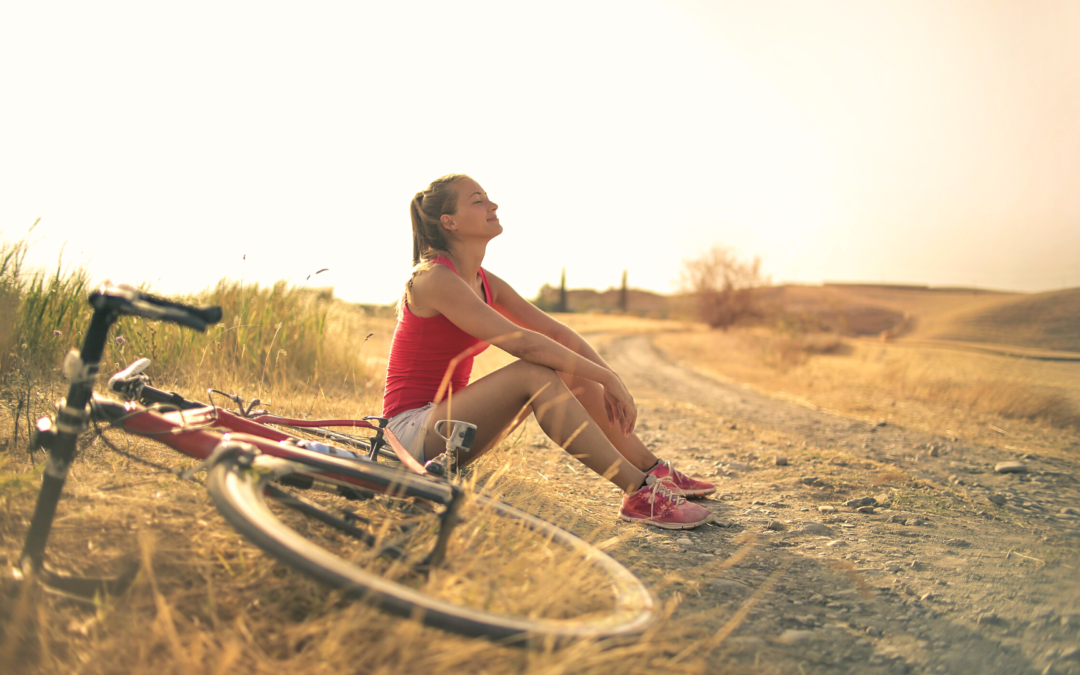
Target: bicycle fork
point(59, 440)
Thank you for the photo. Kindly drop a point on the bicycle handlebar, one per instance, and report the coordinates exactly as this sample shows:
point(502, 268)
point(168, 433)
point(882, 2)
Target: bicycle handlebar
point(124, 299)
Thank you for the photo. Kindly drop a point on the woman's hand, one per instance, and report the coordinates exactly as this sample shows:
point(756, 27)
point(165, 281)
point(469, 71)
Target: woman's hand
point(621, 411)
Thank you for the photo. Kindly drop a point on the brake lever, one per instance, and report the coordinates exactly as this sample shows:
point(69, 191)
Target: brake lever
point(130, 379)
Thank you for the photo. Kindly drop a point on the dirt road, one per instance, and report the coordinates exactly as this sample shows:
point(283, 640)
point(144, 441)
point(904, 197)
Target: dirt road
point(867, 548)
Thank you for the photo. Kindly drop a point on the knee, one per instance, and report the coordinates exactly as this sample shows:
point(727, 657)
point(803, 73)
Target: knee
point(535, 376)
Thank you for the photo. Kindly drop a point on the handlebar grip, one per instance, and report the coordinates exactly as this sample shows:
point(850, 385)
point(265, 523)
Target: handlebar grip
point(210, 315)
point(124, 299)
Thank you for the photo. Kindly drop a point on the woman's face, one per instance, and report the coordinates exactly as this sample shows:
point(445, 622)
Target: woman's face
point(475, 216)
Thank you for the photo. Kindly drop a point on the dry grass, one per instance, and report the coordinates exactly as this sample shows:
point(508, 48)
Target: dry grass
point(208, 601)
point(1042, 321)
point(949, 391)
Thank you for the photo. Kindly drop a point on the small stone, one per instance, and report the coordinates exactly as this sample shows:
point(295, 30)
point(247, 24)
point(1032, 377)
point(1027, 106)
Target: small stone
point(809, 480)
point(757, 502)
point(724, 522)
point(933, 452)
point(897, 519)
point(926, 596)
point(1010, 467)
point(836, 542)
point(736, 466)
point(865, 509)
point(792, 635)
point(776, 526)
point(684, 541)
point(998, 499)
point(1069, 511)
point(817, 598)
point(780, 461)
point(728, 585)
point(815, 529)
point(873, 632)
point(861, 501)
point(988, 618)
point(827, 509)
point(917, 522)
point(881, 424)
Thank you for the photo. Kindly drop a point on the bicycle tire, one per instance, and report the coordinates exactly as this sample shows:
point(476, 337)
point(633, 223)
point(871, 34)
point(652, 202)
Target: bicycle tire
point(237, 487)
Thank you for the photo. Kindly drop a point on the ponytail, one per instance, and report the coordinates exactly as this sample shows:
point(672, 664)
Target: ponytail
point(426, 210)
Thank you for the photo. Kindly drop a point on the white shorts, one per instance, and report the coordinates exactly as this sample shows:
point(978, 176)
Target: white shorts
point(411, 428)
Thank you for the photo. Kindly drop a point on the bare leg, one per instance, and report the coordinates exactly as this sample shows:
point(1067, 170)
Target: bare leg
point(591, 396)
point(492, 402)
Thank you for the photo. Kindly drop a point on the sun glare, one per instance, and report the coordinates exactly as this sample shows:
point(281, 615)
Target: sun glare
point(265, 143)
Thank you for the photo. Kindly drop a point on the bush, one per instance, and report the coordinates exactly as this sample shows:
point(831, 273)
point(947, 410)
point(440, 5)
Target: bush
point(723, 286)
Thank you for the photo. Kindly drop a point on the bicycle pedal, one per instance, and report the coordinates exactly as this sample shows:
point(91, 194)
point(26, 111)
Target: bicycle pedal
point(442, 466)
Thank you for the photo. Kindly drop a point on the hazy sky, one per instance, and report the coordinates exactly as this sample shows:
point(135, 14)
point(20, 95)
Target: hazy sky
point(921, 142)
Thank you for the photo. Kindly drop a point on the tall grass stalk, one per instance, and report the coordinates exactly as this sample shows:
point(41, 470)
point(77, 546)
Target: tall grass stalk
point(271, 338)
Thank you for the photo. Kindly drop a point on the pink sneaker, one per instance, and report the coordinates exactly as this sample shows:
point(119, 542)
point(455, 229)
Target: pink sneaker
point(657, 504)
point(688, 487)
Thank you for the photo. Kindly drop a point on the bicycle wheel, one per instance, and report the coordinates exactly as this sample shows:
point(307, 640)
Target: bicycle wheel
point(501, 573)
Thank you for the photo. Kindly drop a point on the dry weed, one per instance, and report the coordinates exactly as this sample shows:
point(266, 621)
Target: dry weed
point(206, 601)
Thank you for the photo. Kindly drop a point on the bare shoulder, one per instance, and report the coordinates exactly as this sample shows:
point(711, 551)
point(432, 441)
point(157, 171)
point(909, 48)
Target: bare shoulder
point(427, 286)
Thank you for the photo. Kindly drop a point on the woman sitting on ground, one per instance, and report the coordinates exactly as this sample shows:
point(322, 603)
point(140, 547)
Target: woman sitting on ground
point(453, 307)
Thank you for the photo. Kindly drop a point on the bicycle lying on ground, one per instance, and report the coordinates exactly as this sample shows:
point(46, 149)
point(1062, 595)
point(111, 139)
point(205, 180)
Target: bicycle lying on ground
point(395, 536)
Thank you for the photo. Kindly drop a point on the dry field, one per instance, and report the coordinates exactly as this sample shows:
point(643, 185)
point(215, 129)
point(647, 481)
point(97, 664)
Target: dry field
point(964, 363)
point(206, 601)
point(765, 590)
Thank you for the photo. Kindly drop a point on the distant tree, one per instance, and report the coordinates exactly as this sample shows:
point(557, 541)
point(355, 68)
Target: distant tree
point(723, 285)
point(624, 299)
point(562, 292)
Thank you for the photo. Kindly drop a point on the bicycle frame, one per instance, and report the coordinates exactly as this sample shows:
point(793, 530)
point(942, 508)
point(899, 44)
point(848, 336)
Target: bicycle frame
point(199, 432)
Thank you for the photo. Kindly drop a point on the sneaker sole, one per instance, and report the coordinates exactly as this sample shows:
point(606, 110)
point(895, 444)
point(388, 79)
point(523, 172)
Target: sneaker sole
point(667, 526)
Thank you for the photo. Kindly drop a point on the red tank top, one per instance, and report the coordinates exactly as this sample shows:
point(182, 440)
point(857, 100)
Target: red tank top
point(421, 352)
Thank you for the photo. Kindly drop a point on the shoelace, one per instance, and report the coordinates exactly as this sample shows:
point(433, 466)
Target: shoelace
point(658, 486)
point(672, 473)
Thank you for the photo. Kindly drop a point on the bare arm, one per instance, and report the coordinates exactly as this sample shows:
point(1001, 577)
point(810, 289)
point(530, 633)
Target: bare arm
point(523, 313)
point(441, 290)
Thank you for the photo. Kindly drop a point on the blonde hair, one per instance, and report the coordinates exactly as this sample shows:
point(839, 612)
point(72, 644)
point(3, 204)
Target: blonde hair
point(426, 210)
